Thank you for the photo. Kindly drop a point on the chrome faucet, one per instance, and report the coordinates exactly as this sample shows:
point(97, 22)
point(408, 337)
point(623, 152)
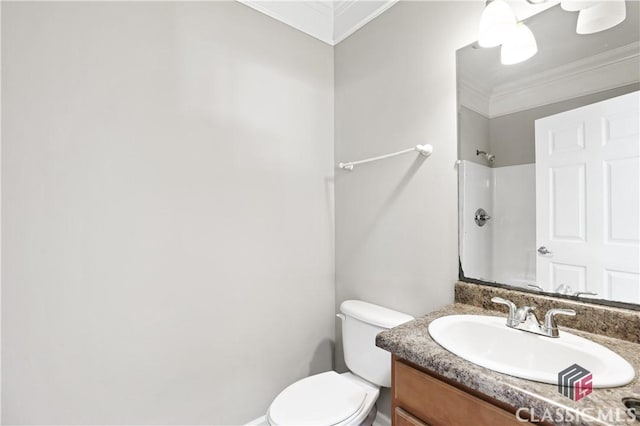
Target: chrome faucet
point(566, 290)
point(524, 318)
point(535, 287)
point(550, 328)
point(563, 289)
point(511, 319)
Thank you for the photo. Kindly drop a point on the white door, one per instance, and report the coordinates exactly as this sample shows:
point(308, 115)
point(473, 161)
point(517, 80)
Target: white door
point(588, 197)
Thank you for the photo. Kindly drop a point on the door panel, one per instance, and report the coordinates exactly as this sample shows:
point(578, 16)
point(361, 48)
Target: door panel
point(621, 205)
point(588, 199)
point(567, 138)
point(562, 273)
point(620, 128)
point(568, 203)
point(623, 285)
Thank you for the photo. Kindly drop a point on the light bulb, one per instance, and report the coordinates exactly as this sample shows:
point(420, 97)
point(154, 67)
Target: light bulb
point(496, 23)
point(576, 5)
point(602, 16)
point(520, 46)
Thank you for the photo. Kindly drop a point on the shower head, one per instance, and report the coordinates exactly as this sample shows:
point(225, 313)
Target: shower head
point(489, 157)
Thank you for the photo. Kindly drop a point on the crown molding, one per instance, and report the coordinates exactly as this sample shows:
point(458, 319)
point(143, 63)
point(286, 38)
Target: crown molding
point(303, 16)
point(608, 70)
point(472, 97)
point(330, 22)
point(340, 6)
point(350, 16)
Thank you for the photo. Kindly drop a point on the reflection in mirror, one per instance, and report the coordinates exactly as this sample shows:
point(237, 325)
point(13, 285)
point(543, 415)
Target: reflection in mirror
point(549, 150)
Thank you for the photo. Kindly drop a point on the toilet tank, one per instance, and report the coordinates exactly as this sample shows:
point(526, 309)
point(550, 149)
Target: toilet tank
point(361, 322)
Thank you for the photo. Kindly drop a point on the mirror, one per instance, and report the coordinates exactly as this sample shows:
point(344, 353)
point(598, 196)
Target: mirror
point(548, 150)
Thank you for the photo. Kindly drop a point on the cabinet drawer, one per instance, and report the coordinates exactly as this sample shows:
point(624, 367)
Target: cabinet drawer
point(440, 404)
point(402, 418)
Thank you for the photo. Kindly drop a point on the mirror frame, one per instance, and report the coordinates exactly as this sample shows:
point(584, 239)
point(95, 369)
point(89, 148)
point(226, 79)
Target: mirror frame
point(463, 278)
point(587, 300)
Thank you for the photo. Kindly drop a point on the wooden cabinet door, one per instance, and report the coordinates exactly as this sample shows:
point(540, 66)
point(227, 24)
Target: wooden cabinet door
point(440, 404)
point(402, 418)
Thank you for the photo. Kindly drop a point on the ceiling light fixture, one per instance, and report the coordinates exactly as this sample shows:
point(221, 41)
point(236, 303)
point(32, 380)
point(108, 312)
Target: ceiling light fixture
point(499, 26)
point(601, 16)
point(496, 24)
point(520, 46)
point(575, 5)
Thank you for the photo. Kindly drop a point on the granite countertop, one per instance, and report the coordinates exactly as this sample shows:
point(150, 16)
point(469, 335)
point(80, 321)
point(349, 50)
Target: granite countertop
point(412, 342)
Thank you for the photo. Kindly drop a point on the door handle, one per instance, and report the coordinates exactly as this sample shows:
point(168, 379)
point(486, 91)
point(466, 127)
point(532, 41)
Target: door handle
point(481, 217)
point(543, 250)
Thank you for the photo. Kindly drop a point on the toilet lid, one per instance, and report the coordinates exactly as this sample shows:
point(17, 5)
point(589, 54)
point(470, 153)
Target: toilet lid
point(323, 399)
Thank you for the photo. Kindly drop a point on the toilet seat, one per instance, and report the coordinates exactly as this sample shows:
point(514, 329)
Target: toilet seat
point(329, 399)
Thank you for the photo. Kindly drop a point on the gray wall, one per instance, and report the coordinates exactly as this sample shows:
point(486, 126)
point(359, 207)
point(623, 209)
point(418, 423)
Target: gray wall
point(396, 220)
point(167, 212)
point(473, 130)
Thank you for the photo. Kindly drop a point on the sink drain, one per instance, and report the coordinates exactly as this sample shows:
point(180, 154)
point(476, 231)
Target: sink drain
point(633, 407)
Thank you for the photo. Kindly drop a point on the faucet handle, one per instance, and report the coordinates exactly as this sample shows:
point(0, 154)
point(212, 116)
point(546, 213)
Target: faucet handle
point(535, 287)
point(512, 306)
point(550, 328)
point(584, 293)
point(511, 320)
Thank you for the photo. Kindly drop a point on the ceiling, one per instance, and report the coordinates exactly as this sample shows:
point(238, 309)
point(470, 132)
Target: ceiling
point(329, 21)
point(334, 21)
point(558, 44)
point(567, 64)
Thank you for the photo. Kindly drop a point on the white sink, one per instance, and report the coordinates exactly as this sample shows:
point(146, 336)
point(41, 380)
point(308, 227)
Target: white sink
point(488, 342)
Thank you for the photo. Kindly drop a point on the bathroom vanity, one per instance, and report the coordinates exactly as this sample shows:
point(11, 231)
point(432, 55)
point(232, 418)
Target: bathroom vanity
point(421, 397)
point(432, 386)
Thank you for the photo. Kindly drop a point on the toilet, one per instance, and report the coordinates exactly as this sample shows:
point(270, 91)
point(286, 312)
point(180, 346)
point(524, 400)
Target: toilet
point(332, 399)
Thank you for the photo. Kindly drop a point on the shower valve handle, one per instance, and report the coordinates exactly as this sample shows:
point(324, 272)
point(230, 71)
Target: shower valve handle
point(481, 217)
